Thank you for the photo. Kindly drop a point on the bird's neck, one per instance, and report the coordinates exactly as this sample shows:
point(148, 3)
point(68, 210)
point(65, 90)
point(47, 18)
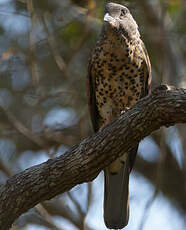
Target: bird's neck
point(119, 37)
point(114, 41)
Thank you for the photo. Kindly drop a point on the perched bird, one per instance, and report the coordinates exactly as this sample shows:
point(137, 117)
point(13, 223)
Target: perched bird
point(119, 74)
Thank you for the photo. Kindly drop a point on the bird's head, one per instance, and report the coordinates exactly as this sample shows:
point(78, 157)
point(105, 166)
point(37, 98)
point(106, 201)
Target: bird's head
point(118, 20)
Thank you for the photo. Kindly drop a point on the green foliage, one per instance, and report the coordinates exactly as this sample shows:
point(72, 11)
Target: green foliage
point(72, 33)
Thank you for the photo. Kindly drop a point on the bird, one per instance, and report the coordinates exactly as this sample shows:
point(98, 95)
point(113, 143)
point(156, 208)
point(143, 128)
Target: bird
point(119, 74)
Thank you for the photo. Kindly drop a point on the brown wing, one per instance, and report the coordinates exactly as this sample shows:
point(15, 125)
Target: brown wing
point(92, 97)
point(148, 77)
point(147, 89)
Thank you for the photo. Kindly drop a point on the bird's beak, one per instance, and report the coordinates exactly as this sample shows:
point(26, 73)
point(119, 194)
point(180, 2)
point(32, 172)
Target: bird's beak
point(112, 21)
point(108, 18)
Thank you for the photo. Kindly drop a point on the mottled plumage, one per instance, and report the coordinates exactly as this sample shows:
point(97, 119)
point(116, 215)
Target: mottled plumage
point(119, 74)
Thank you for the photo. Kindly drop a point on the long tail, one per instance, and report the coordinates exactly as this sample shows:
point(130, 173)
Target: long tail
point(116, 199)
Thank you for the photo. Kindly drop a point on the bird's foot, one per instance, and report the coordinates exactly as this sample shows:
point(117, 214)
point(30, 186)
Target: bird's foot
point(106, 123)
point(125, 110)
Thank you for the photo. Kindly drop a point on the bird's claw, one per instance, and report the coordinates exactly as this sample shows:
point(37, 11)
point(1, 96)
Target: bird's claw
point(125, 110)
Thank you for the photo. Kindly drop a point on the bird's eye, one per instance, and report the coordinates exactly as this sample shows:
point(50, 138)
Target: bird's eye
point(123, 12)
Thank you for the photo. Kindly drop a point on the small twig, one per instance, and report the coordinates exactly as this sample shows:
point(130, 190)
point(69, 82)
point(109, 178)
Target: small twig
point(74, 201)
point(89, 196)
point(44, 213)
point(159, 174)
point(162, 41)
point(36, 139)
point(52, 43)
point(147, 209)
point(35, 76)
point(89, 200)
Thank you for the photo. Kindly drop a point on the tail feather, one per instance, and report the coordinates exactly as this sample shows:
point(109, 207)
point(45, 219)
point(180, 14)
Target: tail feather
point(116, 199)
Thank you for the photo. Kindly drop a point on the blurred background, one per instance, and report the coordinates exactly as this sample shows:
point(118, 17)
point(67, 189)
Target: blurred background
point(44, 51)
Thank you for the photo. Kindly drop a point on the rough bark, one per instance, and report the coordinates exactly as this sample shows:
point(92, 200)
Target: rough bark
point(82, 163)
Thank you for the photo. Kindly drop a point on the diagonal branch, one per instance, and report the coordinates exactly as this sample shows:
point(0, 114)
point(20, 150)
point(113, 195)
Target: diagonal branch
point(83, 162)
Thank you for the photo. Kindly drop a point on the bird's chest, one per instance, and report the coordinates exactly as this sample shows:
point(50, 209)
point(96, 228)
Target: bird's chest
point(118, 81)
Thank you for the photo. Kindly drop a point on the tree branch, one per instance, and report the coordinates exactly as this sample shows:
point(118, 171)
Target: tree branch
point(82, 163)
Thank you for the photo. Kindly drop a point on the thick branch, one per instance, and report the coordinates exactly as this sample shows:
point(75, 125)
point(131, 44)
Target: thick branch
point(164, 107)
